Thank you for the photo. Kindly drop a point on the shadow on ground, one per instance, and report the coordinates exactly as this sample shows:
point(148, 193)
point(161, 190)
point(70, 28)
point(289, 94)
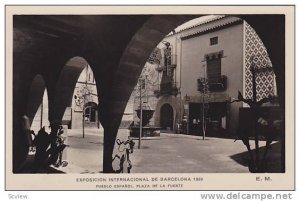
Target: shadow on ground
point(273, 159)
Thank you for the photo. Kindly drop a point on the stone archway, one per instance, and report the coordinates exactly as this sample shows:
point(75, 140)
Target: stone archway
point(123, 58)
point(176, 107)
point(146, 39)
point(65, 86)
point(31, 104)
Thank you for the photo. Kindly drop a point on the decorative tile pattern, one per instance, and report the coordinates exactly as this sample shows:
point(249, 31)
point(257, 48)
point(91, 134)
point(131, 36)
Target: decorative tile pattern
point(256, 53)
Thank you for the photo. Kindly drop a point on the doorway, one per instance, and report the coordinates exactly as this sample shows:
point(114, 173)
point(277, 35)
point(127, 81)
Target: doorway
point(90, 114)
point(166, 117)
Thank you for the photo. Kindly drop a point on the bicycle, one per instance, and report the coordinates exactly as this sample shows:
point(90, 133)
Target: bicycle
point(60, 146)
point(128, 149)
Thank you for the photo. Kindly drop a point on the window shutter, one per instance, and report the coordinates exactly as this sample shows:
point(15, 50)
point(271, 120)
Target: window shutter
point(214, 70)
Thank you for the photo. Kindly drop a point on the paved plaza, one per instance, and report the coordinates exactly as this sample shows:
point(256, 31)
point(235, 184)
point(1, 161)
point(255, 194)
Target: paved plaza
point(169, 153)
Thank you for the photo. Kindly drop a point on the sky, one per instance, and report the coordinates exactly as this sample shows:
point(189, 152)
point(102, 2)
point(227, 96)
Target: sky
point(195, 22)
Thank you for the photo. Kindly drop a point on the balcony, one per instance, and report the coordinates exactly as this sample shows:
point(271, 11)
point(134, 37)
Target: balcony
point(160, 68)
point(213, 86)
point(171, 62)
point(168, 88)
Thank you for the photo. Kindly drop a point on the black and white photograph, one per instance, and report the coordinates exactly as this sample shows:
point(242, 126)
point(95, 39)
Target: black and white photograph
point(114, 95)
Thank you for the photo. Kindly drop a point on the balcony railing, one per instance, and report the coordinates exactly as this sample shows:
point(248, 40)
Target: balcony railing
point(169, 88)
point(172, 63)
point(213, 86)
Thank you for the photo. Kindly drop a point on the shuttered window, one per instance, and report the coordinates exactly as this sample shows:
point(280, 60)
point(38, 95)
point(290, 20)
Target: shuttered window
point(214, 70)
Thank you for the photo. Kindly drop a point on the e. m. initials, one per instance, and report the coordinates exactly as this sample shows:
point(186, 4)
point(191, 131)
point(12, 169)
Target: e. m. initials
point(266, 178)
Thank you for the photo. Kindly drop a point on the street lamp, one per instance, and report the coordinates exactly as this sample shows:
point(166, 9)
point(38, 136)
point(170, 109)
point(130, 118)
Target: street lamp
point(142, 85)
point(205, 86)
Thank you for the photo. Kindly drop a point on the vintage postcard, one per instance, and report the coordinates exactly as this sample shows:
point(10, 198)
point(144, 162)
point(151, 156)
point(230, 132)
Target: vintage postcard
point(150, 98)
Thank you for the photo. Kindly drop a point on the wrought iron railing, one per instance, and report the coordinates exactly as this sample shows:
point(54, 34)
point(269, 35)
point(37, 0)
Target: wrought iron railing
point(171, 63)
point(167, 88)
point(213, 85)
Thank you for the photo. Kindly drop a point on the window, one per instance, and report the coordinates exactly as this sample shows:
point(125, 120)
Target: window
point(214, 41)
point(214, 70)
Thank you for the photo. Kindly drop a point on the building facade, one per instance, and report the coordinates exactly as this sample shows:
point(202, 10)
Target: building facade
point(199, 71)
point(83, 107)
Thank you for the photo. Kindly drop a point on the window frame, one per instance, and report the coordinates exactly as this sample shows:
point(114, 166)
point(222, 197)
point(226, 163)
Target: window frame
point(212, 42)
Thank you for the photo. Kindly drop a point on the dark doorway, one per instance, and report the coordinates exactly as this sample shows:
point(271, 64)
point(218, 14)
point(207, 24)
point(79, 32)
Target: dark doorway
point(217, 117)
point(214, 113)
point(166, 117)
point(195, 118)
point(90, 114)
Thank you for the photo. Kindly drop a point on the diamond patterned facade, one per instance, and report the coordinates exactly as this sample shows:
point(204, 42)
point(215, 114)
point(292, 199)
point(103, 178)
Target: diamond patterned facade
point(256, 52)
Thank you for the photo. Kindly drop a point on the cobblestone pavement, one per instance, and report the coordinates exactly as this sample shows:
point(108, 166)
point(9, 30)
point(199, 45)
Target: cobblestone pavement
point(169, 153)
